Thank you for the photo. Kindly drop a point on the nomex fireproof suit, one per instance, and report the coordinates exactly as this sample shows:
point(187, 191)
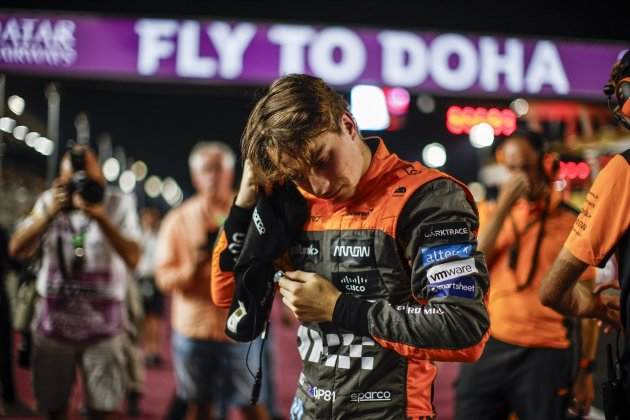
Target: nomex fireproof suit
point(403, 252)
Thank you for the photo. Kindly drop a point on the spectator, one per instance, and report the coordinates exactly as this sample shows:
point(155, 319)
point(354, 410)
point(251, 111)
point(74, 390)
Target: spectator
point(210, 371)
point(88, 234)
point(528, 363)
point(152, 298)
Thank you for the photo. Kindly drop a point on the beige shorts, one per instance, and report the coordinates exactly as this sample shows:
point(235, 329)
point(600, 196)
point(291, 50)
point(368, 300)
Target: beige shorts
point(102, 368)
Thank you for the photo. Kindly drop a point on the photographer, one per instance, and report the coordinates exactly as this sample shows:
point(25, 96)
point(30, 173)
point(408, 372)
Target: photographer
point(210, 370)
point(87, 234)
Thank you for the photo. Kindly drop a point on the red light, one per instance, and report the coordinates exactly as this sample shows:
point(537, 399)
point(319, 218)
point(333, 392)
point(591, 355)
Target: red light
point(397, 100)
point(583, 170)
point(461, 120)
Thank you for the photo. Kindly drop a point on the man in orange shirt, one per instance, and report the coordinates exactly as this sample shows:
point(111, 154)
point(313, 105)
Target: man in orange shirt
point(527, 364)
point(601, 230)
point(209, 368)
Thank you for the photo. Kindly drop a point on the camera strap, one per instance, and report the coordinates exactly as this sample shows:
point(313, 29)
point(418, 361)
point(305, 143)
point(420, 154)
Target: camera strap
point(78, 244)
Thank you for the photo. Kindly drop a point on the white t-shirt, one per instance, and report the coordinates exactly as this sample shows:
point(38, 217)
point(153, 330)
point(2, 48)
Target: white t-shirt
point(88, 304)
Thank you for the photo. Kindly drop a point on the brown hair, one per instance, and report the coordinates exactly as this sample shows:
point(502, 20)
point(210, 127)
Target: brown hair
point(295, 109)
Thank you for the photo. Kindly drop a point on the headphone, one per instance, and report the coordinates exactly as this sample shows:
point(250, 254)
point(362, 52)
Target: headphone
point(619, 86)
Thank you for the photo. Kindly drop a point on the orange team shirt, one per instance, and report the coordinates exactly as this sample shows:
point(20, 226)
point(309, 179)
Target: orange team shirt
point(605, 216)
point(182, 232)
point(518, 317)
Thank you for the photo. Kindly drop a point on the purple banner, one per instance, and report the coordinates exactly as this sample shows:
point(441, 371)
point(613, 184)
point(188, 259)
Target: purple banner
point(210, 51)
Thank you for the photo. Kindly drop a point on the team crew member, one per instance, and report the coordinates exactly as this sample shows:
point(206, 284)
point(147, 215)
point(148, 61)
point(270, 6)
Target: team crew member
point(601, 230)
point(386, 276)
point(527, 364)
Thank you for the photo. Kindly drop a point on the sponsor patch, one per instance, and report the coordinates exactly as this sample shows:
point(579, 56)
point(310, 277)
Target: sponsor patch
point(309, 251)
point(460, 287)
point(318, 393)
point(260, 226)
point(358, 283)
point(451, 231)
point(440, 253)
point(451, 270)
point(353, 251)
point(371, 396)
point(420, 310)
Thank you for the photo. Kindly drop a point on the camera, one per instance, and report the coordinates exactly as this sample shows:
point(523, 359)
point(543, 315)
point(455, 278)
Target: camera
point(90, 190)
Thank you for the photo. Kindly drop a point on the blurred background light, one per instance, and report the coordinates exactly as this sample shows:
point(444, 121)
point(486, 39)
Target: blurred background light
point(520, 107)
point(127, 181)
point(434, 155)
point(140, 170)
point(16, 104)
point(425, 103)
point(153, 186)
point(44, 146)
point(31, 138)
point(20, 131)
point(397, 100)
point(111, 169)
point(369, 108)
point(481, 135)
point(7, 124)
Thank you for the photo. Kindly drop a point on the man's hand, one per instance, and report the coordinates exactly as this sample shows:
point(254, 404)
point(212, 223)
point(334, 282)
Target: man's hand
point(607, 308)
point(311, 297)
point(61, 198)
point(516, 186)
point(583, 393)
point(248, 191)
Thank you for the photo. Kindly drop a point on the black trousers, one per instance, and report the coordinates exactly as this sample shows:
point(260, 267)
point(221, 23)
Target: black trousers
point(7, 385)
point(533, 382)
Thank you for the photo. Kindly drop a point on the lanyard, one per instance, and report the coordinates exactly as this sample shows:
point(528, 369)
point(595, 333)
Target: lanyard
point(78, 243)
point(515, 250)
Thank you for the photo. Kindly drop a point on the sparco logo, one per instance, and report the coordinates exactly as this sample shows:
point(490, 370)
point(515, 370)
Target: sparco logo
point(321, 394)
point(451, 270)
point(446, 231)
point(260, 227)
point(371, 396)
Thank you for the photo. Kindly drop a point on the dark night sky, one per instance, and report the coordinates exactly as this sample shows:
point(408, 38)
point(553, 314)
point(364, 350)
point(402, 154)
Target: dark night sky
point(159, 123)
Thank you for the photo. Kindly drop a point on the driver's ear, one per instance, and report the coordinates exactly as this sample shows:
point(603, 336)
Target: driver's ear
point(349, 124)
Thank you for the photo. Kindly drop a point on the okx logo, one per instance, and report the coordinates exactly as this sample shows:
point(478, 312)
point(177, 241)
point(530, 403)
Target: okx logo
point(352, 251)
point(308, 251)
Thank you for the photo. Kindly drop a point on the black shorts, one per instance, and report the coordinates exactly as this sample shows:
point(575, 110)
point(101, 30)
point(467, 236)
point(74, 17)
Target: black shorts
point(532, 382)
point(152, 298)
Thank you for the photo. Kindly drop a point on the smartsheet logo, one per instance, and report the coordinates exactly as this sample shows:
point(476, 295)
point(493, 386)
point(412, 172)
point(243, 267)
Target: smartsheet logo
point(451, 270)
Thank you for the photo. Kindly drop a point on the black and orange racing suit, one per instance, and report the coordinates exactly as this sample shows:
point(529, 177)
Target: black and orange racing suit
point(403, 252)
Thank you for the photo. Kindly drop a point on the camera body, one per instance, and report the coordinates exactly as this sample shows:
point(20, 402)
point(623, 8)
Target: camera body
point(90, 190)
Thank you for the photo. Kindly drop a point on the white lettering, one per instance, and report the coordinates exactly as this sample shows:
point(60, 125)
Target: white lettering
point(152, 45)
point(510, 64)
point(545, 67)
point(371, 396)
point(292, 40)
point(231, 46)
point(404, 61)
point(352, 51)
point(464, 75)
point(351, 251)
point(260, 226)
point(189, 63)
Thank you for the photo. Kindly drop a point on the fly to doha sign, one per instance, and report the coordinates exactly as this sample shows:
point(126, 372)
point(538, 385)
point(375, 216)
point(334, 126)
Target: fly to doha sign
point(245, 52)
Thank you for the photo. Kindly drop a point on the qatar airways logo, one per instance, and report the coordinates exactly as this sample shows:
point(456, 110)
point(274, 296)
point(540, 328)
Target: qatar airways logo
point(30, 40)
